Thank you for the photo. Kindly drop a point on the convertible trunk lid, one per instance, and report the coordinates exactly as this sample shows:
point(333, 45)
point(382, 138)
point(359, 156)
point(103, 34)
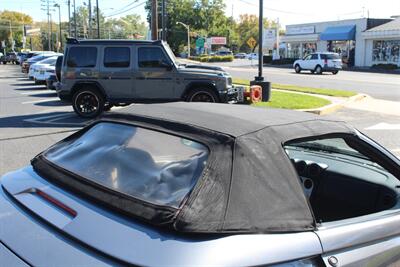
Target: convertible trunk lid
point(55, 227)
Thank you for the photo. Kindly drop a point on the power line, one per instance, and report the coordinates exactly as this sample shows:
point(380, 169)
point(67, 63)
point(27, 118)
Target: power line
point(138, 5)
point(122, 8)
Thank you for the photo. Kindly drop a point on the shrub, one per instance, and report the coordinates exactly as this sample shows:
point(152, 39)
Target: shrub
point(385, 66)
point(206, 58)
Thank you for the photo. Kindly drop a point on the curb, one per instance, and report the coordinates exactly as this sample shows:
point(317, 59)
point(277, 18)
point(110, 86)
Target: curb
point(334, 107)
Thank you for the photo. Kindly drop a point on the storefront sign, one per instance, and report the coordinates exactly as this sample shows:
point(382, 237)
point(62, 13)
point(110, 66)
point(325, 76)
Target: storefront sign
point(300, 30)
point(218, 40)
point(269, 40)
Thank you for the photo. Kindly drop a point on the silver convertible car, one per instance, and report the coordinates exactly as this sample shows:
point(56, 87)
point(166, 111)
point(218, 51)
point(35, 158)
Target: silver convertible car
point(199, 184)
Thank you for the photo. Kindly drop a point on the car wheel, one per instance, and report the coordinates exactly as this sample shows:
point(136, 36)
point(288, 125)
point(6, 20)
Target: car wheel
point(318, 69)
point(335, 72)
point(202, 95)
point(4, 62)
point(88, 103)
point(297, 68)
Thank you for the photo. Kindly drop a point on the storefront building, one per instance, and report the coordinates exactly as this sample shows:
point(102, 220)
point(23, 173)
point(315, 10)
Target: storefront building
point(343, 37)
point(383, 44)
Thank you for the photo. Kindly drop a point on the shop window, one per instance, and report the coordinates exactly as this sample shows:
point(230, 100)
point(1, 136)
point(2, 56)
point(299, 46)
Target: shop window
point(309, 48)
point(386, 51)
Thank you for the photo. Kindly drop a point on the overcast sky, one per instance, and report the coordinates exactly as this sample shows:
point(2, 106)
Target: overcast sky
point(288, 11)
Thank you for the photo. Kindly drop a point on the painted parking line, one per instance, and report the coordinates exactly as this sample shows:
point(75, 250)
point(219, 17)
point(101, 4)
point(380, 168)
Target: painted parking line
point(384, 126)
point(40, 101)
point(36, 92)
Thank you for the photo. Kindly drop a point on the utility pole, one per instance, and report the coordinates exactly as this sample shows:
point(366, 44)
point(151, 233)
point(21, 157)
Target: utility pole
point(51, 34)
point(59, 23)
point(90, 19)
point(75, 33)
point(98, 19)
point(164, 22)
point(154, 20)
point(47, 9)
point(69, 18)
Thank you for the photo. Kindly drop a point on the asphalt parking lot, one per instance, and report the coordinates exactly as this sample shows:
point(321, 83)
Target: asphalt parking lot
point(32, 118)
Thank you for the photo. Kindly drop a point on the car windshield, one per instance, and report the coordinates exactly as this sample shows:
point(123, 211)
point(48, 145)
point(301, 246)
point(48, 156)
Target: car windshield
point(152, 166)
point(170, 53)
point(49, 61)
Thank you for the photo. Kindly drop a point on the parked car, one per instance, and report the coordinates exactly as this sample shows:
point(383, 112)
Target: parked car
point(319, 62)
point(224, 53)
point(240, 55)
point(51, 81)
point(97, 74)
point(201, 184)
point(252, 56)
point(11, 57)
point(2, 58)
point(37, 70)
point(27, 64)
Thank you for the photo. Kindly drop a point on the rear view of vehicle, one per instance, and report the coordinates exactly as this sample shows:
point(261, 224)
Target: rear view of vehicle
point(319, 63)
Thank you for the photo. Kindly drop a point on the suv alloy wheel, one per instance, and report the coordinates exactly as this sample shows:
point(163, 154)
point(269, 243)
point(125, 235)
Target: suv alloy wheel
point(202, 95)
point(318, 69)
point(88, 103)
point(297, 68)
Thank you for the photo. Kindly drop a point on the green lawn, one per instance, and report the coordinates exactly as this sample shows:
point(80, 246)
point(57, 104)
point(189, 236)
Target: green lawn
point(310, 90)
point(293, 101)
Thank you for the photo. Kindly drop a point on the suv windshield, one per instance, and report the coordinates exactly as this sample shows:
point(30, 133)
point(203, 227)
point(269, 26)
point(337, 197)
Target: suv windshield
point(152, 166)
point(170, 53)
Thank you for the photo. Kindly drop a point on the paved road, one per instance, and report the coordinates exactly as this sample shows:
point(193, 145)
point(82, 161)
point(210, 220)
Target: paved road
point(377, 85)
point(32, 119)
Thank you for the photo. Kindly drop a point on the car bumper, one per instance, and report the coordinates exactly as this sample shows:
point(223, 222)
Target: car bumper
point(231, 95)
point(41, 77)
point(63, 95)
point(327, 68)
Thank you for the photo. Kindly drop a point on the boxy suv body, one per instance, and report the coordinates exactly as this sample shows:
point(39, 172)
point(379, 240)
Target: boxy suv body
point(319, 63)
point(98, 74)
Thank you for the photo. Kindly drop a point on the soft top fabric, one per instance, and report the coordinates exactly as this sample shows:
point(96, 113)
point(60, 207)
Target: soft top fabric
point(248, 185)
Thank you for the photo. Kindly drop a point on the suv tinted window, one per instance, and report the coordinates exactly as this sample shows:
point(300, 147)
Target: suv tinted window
point(314, 56)
point(152, 57)
point(117, 57)
point(84, 57)
point(330, 56)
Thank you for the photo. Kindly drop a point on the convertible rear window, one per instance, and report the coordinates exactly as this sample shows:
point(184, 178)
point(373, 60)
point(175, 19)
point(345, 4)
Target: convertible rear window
point(155, 167)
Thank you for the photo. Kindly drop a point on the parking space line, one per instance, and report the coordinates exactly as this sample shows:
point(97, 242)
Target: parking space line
point(36, 92)
point(40, 101)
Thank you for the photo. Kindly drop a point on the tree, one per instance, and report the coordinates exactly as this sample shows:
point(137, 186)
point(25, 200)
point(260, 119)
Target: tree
point(17, 20)
point(205, 18)
point(248, 27)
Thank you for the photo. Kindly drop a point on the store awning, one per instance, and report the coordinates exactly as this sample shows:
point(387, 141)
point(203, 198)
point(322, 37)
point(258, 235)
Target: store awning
point(339, 33)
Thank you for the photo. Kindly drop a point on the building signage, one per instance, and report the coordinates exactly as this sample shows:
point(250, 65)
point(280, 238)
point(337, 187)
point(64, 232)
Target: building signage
point(300, 30)
point(218, 40)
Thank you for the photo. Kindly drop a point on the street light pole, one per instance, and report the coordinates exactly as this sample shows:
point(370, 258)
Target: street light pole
point(259, 80)
point(188, 35)
point(59, 23)
point(69, 18)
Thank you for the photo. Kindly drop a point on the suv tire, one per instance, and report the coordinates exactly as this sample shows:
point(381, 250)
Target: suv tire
point(297, 68)
point(318, 69)
point(88, 102)
point(335, 72)
point(202, 95)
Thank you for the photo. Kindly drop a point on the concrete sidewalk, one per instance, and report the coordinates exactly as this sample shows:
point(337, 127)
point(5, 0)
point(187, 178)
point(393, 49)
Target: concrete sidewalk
point(376, 105)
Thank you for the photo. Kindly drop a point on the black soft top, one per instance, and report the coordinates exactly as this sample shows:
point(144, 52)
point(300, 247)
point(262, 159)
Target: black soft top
point(248, 185)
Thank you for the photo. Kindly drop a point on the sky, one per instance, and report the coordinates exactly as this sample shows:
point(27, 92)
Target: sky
point(287, 11)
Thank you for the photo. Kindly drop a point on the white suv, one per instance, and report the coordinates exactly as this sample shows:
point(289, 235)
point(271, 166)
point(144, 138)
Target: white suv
point(319, 62)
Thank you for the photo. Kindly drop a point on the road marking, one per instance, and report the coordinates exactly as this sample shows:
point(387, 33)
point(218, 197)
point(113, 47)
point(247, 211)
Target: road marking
point(41, 101)
point(384, 126)
point(37, 92)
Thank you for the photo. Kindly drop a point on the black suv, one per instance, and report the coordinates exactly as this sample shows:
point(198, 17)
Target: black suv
point(97, 74)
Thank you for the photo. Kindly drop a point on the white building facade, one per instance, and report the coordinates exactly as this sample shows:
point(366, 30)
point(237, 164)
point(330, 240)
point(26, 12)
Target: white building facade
point(352, 39)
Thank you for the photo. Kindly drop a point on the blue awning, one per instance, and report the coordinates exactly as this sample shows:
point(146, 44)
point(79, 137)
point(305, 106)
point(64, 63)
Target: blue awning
point(339, 33)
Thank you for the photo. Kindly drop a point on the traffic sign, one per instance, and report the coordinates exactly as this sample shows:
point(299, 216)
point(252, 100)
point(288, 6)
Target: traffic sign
point(200, 42)
point(252, 42)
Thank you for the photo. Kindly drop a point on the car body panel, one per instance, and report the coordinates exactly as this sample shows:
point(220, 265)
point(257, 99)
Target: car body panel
point(129, 241)
point(8, 258)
